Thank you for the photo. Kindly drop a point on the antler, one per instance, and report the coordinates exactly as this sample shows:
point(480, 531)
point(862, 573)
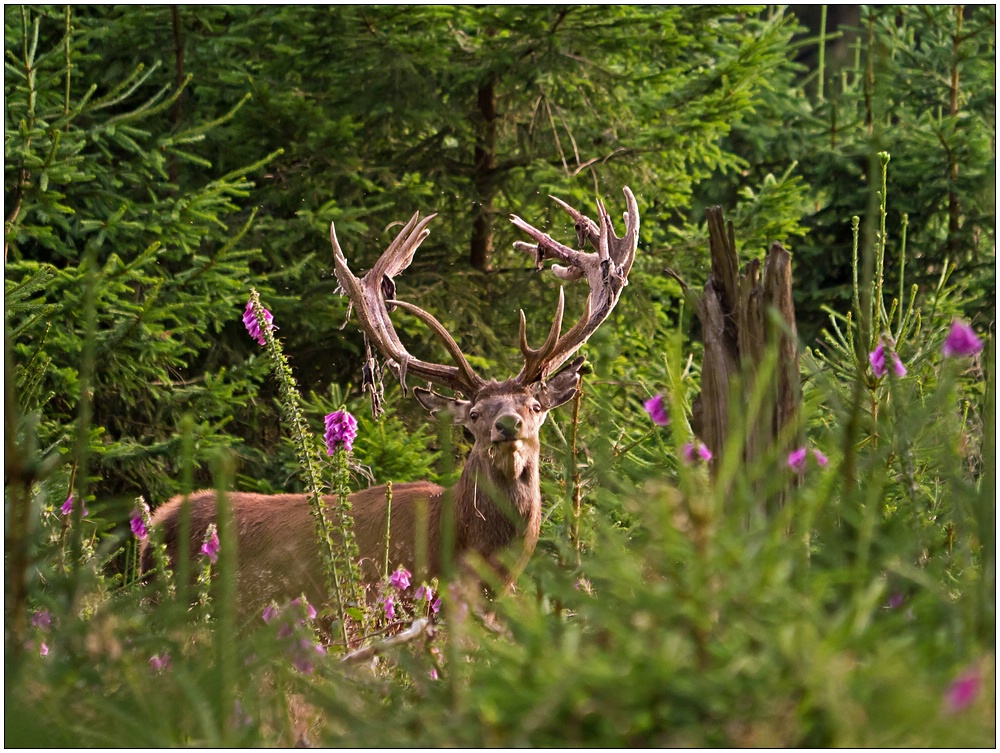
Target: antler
point(374, 294)
point(606, 272)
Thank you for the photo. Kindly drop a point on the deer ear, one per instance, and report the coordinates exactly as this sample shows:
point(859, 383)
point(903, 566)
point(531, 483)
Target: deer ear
point(561, 388)
point(435, 403)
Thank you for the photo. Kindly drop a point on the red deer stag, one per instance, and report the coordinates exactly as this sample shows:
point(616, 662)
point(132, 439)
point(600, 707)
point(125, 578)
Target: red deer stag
point(497, 502)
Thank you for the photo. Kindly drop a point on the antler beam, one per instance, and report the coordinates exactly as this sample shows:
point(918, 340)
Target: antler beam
point(373, 294)
point(606, 271)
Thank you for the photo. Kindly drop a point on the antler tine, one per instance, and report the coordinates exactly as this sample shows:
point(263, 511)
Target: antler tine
point(606, 271)
point(586, 228)
point(603, 252)
point(535, 360)
point(400, 252)
point(623, 249)
point(372, 294)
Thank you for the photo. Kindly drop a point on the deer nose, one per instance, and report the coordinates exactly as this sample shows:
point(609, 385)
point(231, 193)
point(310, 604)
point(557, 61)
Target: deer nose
point(508, 425)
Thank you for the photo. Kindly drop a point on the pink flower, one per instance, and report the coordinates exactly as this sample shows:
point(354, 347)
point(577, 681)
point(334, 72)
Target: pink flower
point(158, 663)
point(433, 673)
point(211, 546)
point(390, 608)
point(42, 619)
point(877, 360)
point(43, 649)
point(961, 341)
point(696, 451)
point(963, 691)
point(401, 578)
point(269, 613)
point(656, 410)
point(427, 594)
point(310, 609)
point(67, 507)
point(341, 428)
point(797, 460)
point(895, 600)
point(138, 526)
point(304, 654)
point(424, 592)
point(253, 326)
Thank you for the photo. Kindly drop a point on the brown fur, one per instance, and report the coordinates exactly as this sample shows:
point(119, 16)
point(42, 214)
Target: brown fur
point(496, 504)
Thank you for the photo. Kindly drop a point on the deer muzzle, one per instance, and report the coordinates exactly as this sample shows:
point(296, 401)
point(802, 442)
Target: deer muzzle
point(506, 428)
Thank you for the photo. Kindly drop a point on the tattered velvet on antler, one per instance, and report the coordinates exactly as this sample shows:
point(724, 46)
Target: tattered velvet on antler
point(368, 296)
point(606, 272)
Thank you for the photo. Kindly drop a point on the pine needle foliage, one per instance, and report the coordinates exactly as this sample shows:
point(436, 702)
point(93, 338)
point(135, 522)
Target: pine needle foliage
point(665, 604)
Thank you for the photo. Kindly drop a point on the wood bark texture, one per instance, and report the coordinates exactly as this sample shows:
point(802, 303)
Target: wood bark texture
point(738, 330)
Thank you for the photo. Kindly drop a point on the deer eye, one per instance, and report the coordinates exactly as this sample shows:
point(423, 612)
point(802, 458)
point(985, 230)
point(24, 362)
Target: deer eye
point(536, 407)
point(474, 415)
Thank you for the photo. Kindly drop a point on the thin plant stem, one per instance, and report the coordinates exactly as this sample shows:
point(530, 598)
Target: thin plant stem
point(388, 526)
point(85, 412)
point(822, 52)
point(307, 454)
point(577, 481)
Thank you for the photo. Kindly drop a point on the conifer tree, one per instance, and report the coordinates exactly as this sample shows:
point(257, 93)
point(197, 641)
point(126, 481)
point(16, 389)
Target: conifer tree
point(96, 227)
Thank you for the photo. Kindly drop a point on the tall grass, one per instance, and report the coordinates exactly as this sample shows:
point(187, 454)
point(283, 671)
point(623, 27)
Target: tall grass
point(666, 604)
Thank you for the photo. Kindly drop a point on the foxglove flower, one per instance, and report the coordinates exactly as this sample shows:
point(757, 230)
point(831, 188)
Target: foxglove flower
point(696, 451)
point(821, 460)
point(424, 592)
point(400, 579)
point(42, 620)
point(158, 663)
point(43, 649)
point(305, 653)
point(269, 613)
point(310, 609)
point(797, 460)
point(67, 507)
point(961, 341)
point(138, 526)
point(877, 359)
point(963, 691)
point(341, 428)
point(211, 546)
point(390, 608)
point(436, 606)
point(253, 326)
point(656, 410)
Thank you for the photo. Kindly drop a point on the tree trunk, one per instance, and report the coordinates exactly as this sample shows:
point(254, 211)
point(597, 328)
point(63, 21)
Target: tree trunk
point(738, 330)
point(178, 108)
point(484, 160)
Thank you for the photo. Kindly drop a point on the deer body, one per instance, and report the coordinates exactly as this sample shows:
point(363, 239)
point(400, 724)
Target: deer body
point(496, 504)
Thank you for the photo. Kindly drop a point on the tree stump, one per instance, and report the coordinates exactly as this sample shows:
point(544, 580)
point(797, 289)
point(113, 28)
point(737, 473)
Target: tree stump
point(737, 331)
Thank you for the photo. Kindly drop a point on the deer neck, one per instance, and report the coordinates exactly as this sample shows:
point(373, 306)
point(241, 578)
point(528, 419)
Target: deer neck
point(497, 498)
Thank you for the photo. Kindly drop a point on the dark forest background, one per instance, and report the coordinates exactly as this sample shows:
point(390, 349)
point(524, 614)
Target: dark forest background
point(162, 160)
point(190, 152)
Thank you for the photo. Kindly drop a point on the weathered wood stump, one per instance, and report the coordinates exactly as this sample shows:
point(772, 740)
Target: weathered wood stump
point(738, 331)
